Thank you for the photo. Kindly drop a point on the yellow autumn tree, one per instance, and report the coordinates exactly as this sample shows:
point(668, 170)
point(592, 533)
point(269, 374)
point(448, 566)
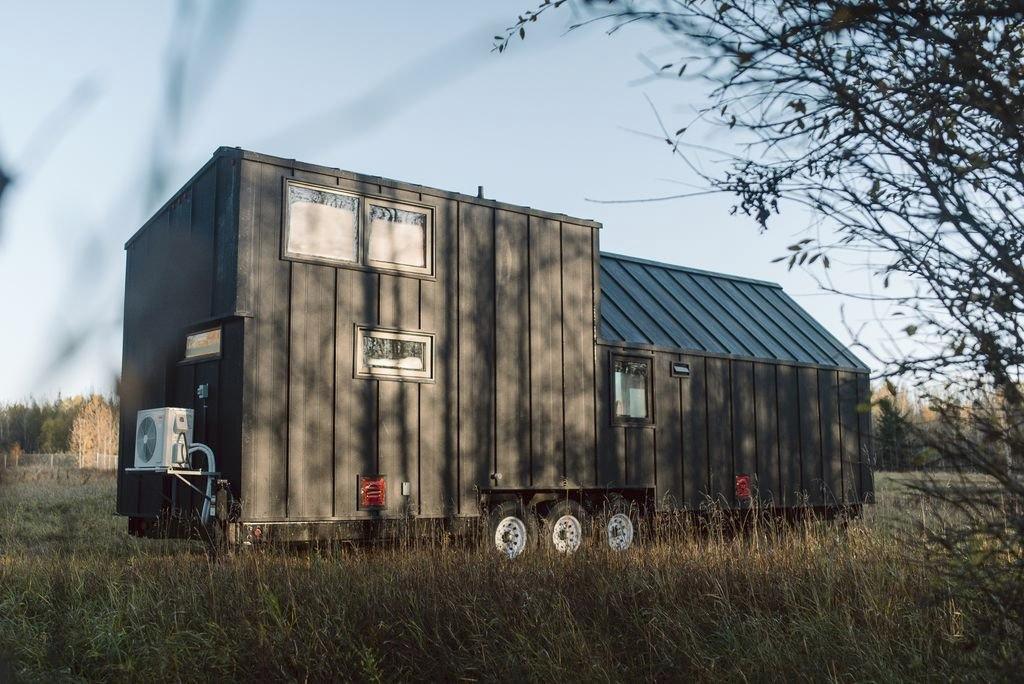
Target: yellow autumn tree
point(95, 432)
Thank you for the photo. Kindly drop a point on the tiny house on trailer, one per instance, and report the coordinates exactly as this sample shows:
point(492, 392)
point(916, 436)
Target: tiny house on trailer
point(354, 350)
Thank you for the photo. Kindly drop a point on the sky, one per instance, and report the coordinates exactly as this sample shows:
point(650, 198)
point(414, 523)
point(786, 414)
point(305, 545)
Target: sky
point(406, 90)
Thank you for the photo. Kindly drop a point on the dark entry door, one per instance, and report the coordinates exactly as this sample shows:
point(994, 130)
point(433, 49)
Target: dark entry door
point(197, 388)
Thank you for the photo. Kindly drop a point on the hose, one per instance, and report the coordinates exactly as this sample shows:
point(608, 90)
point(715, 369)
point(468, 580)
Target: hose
point(211, 467)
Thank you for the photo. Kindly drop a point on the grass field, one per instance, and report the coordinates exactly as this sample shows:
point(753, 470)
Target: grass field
point(80, 600)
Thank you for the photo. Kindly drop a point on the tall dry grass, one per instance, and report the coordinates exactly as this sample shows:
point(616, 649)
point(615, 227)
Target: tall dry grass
point(79, 599)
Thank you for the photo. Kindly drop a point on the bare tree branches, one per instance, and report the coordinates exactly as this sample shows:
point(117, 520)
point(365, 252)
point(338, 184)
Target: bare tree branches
point(902, 125)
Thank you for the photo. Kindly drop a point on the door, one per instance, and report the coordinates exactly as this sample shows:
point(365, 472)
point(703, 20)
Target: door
point(196, 387)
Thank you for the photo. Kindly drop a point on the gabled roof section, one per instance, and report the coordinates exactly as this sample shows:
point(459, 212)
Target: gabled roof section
point(647, 302)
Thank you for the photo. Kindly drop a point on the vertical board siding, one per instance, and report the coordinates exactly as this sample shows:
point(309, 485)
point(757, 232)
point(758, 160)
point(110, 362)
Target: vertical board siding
point(639, 456)
point(719, 430)
point(668, 467)
point(850, 431)
point(475, 352)
point(810, 436)
point(519, 386)
point(250, 184)
point(222, 210)
point(355, 399)
point(577, 313)
point(831, 439)
point(512, 282)
point(398, 403)
point(172, 282)
point(744, 421)
point(231, 403)
point(546, 429)
point(311, 392)
point(790, 447)
point(867, 460)
point(310, 455)
point(693, 409)
point(767, 429)
point(794, 428)
point(270, 377)
point(611, 458)
point(439, 400)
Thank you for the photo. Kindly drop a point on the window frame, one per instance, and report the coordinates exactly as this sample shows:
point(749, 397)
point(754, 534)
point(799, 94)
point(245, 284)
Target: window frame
point(313, 258)
point(362, 371)
point(388, 266)
point(626, 421)
point(362, 261)
point(185, 358)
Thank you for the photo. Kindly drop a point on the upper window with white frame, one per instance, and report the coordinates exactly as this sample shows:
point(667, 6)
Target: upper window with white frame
point(336, 227)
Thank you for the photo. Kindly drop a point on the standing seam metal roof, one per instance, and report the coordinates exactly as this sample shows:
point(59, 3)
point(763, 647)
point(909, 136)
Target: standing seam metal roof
point(647, 302)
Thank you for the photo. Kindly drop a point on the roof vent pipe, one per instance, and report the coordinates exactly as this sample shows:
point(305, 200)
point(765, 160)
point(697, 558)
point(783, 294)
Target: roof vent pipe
point(480, 191)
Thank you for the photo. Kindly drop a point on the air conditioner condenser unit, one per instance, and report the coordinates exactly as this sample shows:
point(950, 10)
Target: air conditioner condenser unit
point(162, 437)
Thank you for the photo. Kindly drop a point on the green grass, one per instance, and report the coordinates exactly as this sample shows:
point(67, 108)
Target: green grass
point(79, 599)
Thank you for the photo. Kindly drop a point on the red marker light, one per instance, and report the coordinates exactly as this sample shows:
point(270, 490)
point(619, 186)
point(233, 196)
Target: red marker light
point(742, 486)
point(372, 492)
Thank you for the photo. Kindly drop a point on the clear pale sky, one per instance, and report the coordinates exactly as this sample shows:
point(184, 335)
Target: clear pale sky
point(408, 90)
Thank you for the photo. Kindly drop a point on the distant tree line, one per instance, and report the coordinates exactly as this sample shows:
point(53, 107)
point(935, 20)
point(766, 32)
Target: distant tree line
point(83, 425)
point(897, 414)
point(908, 424)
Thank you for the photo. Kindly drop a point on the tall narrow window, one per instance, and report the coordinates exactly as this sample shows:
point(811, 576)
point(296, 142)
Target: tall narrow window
point(631, 390)
point(394, 354)
point(321, 224)
point(398, 236)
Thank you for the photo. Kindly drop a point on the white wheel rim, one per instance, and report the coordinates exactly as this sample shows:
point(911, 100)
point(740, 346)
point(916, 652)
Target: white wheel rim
point(510, 536)
point(620, 532)
point(567, 534)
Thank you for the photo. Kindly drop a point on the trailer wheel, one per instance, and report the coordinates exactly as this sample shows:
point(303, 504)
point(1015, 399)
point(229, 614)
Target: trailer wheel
point(620, 527)
point(512, 529)
point(564, 527)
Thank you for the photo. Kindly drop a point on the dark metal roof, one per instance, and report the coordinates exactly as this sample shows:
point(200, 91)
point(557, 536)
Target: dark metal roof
point(650, 303)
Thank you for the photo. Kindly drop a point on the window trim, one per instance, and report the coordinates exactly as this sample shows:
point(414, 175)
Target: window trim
point(388, 266)
point(361, 371)
point(185, 358)
point(624, 421)
point(286, 227)
point(361, 262)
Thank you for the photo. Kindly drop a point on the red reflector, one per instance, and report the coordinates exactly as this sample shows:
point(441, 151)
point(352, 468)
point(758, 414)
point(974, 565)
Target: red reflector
point(743, 486)
point(372, 492)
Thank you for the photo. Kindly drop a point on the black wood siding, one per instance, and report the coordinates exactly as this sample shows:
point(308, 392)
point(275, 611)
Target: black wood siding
point(798, 430)
point(521, 392)
point(180, 272)
point(512, 309)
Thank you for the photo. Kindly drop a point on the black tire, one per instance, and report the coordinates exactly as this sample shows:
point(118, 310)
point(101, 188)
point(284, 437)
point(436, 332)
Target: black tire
point(616, 505)
point(517, 539)
point(568, 536)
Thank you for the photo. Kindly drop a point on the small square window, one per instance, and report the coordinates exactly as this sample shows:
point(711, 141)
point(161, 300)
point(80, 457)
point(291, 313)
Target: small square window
point(394, 354)
point(321, 224)
point(631, 390)
point(203, 343)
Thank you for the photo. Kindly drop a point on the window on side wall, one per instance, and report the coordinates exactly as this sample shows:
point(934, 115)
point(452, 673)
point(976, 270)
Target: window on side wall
point(321, 224)
point(335, 227)
point(631, 390)
point(203, 344)
point(397, 236)
point(390, 354)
